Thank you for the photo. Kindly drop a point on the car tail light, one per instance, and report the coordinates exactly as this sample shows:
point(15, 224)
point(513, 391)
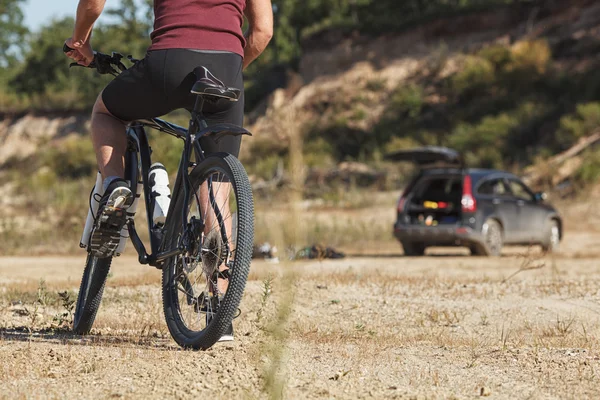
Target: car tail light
point(401, 203)
point(402, 200)
point(468, 201)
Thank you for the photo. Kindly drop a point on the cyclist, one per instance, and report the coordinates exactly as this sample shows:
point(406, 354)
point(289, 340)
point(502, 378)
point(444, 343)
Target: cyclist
point(186, 35)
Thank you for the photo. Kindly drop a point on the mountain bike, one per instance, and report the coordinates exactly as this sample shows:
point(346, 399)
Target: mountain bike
point(204, 245)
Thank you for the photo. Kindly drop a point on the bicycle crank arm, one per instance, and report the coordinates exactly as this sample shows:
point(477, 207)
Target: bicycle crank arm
point(144, 257)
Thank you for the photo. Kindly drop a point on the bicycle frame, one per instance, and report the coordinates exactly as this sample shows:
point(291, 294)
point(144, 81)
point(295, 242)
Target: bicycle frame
point(138, 157)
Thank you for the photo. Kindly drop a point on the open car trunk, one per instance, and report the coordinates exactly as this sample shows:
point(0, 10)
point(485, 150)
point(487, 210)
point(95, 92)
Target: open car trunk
point(436, 200)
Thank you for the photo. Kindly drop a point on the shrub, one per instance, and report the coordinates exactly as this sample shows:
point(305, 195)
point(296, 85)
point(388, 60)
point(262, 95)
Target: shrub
point(265, 167)
point(72, 157)
point(476, 75)
point(498, 55)
point(530, 56)
point(589, 172)
point(318, 153)
point(583, 122)
point(376, 84)
point(401, 143)
point(488, 142)
point(408, 100)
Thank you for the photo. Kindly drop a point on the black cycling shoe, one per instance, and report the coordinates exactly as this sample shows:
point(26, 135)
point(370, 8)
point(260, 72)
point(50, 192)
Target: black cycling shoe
point(112, 215)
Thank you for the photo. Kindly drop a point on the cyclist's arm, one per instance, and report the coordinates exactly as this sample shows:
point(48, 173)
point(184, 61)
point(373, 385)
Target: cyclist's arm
point(260, 19)
point(88, 12)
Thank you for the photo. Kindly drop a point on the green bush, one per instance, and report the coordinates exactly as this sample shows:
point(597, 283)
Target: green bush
point(318, 153)
point(475, 77)
point(408, 100)
point(401, 143)
point(498, 55)
point(583, 122)
point(531, 57)
point(589, 172)
point(72, 157)
point(488, 142)
point(265, 167)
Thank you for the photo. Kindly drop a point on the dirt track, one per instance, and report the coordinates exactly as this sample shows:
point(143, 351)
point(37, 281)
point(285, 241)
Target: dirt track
point(379, 327)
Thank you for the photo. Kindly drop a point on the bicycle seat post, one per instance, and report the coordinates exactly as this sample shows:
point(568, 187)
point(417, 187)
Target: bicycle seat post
point(197, 116)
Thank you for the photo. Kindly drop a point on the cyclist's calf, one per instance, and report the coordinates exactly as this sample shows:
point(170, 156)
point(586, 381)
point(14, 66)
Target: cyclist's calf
point(109, 140)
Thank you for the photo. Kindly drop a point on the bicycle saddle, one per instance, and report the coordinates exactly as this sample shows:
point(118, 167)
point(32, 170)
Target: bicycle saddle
point(209, 85)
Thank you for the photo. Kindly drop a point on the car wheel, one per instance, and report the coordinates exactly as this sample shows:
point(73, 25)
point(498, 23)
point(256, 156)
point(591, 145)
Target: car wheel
point(413, 249)
point(493, 238)
point(552, 242)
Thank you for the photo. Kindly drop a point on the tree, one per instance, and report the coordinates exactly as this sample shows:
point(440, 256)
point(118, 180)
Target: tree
point(12, 32)
point(130, 33)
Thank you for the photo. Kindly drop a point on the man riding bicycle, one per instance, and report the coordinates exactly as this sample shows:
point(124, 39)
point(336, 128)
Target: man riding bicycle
point(186, 35)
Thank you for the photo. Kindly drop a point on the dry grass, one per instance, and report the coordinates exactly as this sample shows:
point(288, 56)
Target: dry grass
point(435, 327)
point(519, 326)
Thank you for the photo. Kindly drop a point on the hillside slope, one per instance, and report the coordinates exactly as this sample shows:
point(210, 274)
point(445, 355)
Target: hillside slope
point(505, 87)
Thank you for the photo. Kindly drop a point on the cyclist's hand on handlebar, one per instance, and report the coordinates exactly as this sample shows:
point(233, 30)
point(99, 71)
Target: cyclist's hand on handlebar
point(82, 54)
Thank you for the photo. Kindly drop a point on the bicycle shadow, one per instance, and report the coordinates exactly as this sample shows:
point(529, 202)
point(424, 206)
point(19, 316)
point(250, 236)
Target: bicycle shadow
point(66, 337)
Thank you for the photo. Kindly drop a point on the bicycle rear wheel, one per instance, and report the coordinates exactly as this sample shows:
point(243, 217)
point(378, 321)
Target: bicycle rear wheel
point(90, 293)
point(202, 289)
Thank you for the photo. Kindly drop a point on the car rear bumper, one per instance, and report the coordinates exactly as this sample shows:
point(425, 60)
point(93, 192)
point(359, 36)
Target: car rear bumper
point(441, 235)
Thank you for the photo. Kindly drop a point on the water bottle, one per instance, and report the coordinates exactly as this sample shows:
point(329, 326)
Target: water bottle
point(130, 214)
point(161, 194)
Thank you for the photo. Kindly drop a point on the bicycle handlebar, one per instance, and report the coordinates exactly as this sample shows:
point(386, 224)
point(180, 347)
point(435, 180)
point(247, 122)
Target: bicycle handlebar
point(103, 63)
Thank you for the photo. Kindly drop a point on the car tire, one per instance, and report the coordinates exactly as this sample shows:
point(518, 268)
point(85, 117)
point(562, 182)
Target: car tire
point(552, 239)
point(493, 239)
point(412, 249)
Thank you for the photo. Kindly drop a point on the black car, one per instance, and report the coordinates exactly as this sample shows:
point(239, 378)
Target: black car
point(447, 204)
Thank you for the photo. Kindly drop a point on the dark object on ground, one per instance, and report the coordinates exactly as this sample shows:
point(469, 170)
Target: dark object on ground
point(265, 251)
point(447, 204)
point(318, 252)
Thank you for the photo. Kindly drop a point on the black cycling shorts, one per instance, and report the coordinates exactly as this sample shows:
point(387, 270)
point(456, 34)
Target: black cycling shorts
point(161, 83)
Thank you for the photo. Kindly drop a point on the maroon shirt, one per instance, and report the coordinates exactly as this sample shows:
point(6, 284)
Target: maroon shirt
point(199, 25)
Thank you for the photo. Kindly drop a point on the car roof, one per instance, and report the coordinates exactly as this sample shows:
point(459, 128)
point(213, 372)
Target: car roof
point(475, 173)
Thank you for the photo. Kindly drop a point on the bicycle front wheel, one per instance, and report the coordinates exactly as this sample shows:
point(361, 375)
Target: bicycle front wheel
point(90, 293)
point(203, 287)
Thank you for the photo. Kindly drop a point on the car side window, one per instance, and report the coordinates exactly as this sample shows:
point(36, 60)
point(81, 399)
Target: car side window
point(520, 191)
point(493, 187)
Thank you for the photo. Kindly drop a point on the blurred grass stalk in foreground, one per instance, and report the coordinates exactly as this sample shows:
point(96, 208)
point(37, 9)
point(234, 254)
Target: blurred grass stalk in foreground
point(275, 348)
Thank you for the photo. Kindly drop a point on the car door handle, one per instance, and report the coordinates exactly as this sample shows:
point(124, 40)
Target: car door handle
point(520, 203)
point(496, 201)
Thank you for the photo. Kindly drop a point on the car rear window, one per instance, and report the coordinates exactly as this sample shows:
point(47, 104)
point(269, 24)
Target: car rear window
point(444, 188)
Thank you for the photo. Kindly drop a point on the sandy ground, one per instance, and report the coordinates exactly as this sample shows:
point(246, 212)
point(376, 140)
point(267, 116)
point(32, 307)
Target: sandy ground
point(444, 326)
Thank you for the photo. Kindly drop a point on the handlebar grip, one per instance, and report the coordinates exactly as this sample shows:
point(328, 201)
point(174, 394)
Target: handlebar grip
point(66, 48)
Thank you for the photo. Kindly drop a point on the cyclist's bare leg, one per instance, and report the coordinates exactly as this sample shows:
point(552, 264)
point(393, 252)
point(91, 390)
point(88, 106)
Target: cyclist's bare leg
point(221, 191)
point(109, 140)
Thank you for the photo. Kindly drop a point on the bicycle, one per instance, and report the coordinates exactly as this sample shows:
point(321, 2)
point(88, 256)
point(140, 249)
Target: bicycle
point(200, 249)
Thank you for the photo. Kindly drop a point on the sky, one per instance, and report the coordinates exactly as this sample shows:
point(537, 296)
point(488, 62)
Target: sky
point(40, 12)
